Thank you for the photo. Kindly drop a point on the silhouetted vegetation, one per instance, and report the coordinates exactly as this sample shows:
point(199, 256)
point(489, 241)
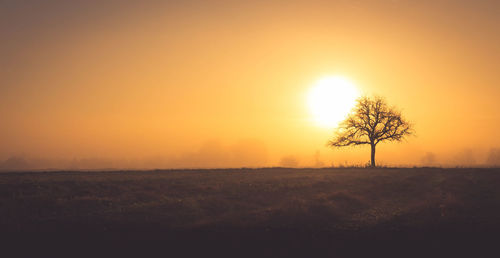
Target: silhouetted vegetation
point(289, 161)
point(429, 159)
point(371, 122)
point(494, 158)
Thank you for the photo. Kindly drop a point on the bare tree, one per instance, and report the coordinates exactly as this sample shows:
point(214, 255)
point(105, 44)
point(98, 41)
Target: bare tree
point(371, 122)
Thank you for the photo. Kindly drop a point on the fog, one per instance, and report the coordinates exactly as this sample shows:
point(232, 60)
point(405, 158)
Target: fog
point(246, 153)
point(188, 84)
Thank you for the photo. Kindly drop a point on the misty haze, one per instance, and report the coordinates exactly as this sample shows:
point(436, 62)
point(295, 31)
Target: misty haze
point(218, 128)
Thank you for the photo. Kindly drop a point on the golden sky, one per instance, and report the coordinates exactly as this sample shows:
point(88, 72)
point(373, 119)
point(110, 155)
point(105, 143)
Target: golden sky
point(224, 83)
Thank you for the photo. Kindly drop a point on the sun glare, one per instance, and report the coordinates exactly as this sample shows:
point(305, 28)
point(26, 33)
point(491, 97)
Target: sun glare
point(331, 99)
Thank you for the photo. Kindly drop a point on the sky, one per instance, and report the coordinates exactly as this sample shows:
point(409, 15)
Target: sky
point(193, 84)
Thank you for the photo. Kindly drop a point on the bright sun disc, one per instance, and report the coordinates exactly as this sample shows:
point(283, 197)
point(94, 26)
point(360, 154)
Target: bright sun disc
point(331, 99)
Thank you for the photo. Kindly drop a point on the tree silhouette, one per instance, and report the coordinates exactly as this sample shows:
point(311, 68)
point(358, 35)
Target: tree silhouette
point(371, 122)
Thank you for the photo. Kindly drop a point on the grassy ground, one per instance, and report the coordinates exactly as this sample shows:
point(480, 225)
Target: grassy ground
point(253, 212)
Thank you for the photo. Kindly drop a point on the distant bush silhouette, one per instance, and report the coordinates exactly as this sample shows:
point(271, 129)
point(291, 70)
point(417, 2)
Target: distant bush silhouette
point(289, 161)
point(494, 157)
point(372, 122)
point(15, 163)
point(429, 159)
point(466, 158)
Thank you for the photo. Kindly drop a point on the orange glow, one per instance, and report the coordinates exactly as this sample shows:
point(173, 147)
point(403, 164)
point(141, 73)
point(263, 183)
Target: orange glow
point(225, 83)
point(331, 99)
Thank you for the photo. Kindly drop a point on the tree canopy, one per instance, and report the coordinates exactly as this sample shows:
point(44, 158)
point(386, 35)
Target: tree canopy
point(371, 122)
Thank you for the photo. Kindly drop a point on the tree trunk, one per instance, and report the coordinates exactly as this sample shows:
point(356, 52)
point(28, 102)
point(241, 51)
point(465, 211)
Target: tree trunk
point(373, 156)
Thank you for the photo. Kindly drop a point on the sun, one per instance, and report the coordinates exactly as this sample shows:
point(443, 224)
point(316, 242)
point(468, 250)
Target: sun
point(331, 99)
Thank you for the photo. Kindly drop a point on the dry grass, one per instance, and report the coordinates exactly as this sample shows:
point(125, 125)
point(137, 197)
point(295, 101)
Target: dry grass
point(313, 206)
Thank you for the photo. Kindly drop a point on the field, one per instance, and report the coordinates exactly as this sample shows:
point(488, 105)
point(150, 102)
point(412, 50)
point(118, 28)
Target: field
point(275, 212)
